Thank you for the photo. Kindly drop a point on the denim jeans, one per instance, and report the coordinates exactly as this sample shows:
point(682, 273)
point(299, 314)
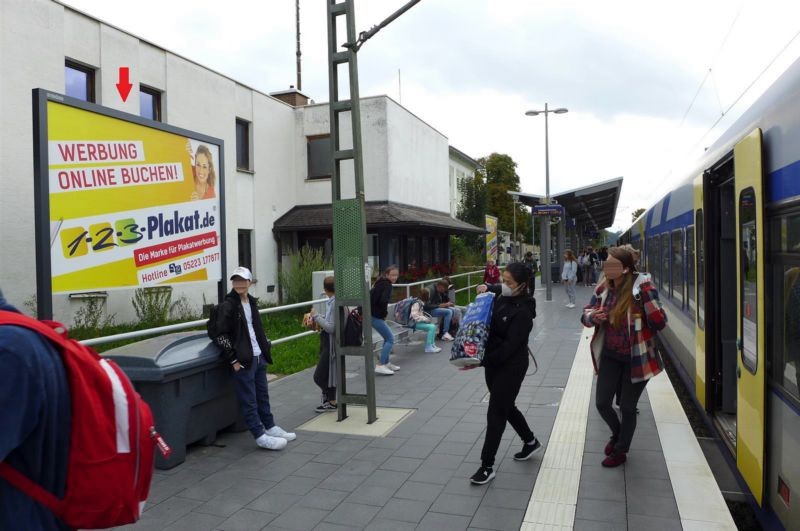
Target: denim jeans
point(388, 338)
point(570, 286)
point(251, 390)
point(447, 314)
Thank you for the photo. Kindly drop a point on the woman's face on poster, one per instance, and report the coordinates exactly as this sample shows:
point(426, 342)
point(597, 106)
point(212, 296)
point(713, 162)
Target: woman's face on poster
point(201, 167)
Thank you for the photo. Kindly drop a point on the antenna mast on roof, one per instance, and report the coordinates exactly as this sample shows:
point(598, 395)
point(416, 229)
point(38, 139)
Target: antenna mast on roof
point(297, 16)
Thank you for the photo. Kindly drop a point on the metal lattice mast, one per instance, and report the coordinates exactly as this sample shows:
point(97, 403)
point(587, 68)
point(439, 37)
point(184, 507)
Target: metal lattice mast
point(349, 216)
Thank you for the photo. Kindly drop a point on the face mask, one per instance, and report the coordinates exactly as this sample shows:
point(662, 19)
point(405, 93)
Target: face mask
point(506, 290)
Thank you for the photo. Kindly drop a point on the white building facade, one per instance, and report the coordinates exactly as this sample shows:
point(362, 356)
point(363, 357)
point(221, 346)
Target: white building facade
point(270, 145)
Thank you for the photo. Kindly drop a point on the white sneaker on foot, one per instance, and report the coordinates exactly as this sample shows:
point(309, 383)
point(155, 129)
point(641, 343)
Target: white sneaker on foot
point(447, 337)
point(277, 431)
point(271, 443)
point(383, 369)
point(570, 305)
point(393, 367)
point(432, 349)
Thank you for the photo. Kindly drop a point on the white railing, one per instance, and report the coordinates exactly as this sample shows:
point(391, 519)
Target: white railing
point(200, 322)
point(468, 287)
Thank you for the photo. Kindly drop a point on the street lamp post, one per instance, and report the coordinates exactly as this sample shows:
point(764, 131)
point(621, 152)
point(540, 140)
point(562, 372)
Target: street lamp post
point(514, 250)
point(545, 220)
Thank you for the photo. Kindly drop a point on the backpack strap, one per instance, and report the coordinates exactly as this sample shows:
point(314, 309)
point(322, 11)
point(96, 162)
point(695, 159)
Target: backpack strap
point(30, 488)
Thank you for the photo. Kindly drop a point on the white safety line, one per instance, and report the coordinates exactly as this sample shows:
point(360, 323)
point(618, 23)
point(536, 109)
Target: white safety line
point(555, 494)
point(700, 502)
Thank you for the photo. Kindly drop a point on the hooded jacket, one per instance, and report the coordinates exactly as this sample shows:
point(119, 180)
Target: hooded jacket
point(512, 322)
point(379, 297)
point(235, 337)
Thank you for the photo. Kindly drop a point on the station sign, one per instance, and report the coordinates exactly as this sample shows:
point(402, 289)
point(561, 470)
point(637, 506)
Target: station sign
point(548, 210)
point(124, 202)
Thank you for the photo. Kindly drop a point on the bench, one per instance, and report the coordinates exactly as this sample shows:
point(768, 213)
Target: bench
point(402, 334)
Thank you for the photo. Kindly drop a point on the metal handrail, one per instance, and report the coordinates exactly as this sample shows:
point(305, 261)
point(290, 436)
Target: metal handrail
point(429, 280)
point(199, 322)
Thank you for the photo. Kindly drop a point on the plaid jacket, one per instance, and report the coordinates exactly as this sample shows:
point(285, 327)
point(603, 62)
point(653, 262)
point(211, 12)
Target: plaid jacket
point(646, 361)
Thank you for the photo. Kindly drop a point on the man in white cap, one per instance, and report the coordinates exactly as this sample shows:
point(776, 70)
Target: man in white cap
point(247, 349)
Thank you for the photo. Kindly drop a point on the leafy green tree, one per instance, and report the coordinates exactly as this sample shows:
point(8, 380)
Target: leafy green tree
point(501, 178)
point(636, 213)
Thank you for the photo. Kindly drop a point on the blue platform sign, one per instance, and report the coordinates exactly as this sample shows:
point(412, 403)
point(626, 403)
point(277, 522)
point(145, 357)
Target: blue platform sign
point(548, 210)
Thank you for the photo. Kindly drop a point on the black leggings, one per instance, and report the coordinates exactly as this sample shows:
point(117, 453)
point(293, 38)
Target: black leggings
point(614, 373)
point(504, 384)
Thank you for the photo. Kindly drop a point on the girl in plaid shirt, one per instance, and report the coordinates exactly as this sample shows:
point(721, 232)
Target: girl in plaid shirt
point(625, 313)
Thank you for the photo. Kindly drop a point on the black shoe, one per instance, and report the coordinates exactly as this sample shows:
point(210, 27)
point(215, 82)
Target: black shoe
point(483, 476)
point(325, 407)
point(528, 450)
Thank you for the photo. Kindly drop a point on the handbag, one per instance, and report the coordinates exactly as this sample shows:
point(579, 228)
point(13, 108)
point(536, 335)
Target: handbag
point(354, 329)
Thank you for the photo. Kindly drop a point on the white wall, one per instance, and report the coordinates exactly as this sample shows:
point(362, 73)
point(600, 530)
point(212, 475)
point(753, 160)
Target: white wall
point(35, 38)
point(459, 170)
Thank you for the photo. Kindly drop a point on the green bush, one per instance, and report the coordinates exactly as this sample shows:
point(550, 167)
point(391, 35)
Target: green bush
point(463, 255)
point(296, 355)
point(89, 317)
point(152, 306)
point(294, 277)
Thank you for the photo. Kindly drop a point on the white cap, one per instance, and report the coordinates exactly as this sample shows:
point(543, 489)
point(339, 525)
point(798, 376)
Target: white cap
point(242, 272)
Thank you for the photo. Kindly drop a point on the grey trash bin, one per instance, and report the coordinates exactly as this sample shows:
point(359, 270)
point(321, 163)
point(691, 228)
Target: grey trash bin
point(187, 385)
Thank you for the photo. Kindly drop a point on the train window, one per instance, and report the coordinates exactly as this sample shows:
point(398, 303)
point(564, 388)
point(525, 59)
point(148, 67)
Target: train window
point(749, 278)
point(787, 296)
point(677, 266)
point(701, 270)
point(666, 258)
point(652, 258)
point(690, 269)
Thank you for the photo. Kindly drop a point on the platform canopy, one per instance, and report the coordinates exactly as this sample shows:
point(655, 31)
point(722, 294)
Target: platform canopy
point(592, 206)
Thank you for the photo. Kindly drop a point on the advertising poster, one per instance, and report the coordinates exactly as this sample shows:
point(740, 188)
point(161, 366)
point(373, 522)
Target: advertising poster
point(491, 238)
point(129, 205)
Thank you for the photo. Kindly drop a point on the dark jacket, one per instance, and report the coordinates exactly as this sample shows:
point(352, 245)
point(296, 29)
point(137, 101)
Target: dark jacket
point(34, 423)
point(379, 297)
point(512, 321)
point(235, 337)
point(435, 300)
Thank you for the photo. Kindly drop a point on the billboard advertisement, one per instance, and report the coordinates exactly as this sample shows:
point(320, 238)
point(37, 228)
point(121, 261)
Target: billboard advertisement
point(491, 238)
point(129, 203)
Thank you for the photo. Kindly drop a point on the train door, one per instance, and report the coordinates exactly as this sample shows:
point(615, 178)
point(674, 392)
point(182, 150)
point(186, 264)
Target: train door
point(700, 286)
point(751, 266)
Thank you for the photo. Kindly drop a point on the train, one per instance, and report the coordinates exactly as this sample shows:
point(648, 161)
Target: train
point(723, 248)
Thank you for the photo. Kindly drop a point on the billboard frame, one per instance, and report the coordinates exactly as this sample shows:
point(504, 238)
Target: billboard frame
point(41, 186)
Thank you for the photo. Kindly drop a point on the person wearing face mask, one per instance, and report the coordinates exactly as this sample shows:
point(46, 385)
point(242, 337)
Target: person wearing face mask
point(625, 312)
point(505, 362)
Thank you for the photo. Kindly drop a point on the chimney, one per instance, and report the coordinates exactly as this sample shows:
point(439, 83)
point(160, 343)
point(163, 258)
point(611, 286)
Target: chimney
point(293, 97)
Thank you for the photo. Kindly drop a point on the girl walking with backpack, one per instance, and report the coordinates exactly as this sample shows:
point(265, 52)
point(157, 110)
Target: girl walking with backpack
point(505, 362)
point(379, 297)
point(625, 313)
point(570, 276)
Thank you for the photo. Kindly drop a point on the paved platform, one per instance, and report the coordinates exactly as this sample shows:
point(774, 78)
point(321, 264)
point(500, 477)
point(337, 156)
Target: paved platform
point(416, 477)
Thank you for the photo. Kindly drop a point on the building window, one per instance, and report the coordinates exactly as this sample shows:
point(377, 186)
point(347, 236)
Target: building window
point(149, 103)
point(243, 145)
point(79, 81)
point(246, 248)
point(320, 158)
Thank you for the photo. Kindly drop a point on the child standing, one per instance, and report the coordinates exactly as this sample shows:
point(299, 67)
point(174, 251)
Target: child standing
point(419, 321)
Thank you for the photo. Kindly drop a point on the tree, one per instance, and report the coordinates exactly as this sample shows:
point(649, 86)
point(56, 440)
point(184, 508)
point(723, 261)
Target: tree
point(501, 178)
point(636, 213)
point(472, 207)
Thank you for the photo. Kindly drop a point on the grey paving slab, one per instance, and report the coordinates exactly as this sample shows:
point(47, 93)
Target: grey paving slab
point(416, 476)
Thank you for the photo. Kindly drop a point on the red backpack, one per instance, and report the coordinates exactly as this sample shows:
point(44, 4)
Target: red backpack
point(112, 439)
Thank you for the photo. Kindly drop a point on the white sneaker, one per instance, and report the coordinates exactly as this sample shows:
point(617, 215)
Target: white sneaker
point(433, 349)
point(271, 443)
point(570, 305)
point(277, 431)
point(383, 369)
point(393, 367)
point(447, 337)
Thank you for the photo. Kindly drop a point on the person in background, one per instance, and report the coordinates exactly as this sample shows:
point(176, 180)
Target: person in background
point(491, 275)
point(379, 296)
point(325, 373)
point(569, 275)
point(438, 304)
point(530, 267)
point(419, 321)
point(586, 266)
point(35, 423)
point(246, 347)
point(505, 362)
point(622, 346)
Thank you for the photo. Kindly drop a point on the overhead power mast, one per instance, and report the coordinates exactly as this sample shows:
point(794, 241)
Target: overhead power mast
point(349, 215)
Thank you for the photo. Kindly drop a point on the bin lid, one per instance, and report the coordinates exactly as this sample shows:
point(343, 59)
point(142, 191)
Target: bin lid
point(156, 358)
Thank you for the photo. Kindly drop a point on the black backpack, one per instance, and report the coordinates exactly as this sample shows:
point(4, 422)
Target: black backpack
point(354, 329)
point(212, 325)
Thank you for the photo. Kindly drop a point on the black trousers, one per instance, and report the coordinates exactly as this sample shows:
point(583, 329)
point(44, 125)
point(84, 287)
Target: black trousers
point(504, 384)
point(614, 373)
point(323, 368)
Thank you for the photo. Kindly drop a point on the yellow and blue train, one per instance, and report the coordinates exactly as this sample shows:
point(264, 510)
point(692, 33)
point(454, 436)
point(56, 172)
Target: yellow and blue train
point(724, 250)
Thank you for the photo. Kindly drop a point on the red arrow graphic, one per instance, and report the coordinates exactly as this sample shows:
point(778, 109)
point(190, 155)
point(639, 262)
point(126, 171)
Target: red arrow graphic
point(124, 86)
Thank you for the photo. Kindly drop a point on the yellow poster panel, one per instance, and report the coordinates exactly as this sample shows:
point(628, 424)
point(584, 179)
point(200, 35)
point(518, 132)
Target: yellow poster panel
point(130, 205)
point(491, 238)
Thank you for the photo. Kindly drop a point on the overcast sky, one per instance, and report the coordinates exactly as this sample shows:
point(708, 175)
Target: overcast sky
point(627, 71)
